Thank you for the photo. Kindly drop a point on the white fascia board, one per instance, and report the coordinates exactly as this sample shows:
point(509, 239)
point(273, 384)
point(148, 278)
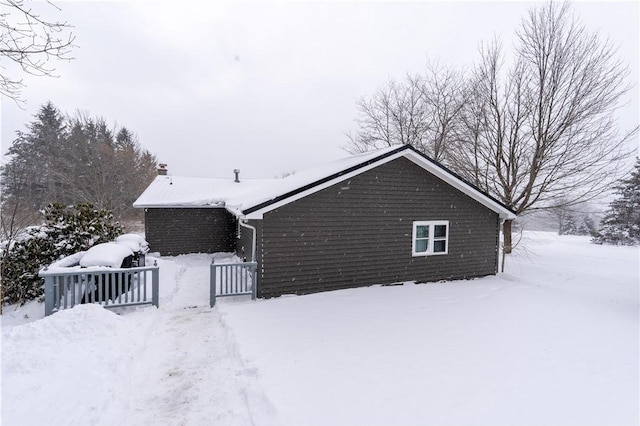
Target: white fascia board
point(410, 155)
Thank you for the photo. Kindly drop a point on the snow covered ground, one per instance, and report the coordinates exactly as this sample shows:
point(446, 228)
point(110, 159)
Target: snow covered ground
point(554, 341)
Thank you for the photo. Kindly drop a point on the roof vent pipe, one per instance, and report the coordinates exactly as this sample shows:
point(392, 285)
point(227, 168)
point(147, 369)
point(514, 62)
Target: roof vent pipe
point(237, 172)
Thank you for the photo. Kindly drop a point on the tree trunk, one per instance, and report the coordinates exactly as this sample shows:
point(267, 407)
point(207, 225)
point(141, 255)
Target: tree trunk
point(506, 231)
point(506, 244)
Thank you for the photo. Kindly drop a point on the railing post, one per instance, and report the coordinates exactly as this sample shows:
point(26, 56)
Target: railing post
point(155, 284)
point(212, 284)
point(254, 281)
point(49, 294)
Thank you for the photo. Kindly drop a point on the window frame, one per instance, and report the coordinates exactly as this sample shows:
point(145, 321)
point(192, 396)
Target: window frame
point(431, 238)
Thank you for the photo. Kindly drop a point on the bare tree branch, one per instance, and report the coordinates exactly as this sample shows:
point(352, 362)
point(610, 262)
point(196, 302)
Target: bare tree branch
point(29, 42)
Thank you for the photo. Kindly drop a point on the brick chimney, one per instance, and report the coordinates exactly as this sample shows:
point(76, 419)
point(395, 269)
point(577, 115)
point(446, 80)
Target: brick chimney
point(162, 169)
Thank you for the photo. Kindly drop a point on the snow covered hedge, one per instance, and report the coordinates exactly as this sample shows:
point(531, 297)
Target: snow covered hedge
point(66, 230)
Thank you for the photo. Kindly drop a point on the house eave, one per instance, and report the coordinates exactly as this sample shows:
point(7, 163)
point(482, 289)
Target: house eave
point(180, 206)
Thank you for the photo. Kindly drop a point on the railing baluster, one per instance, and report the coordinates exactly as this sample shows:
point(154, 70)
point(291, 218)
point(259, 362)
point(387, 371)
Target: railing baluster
point(125, 284)
point(226, 279)
point(102, 280)
point(64, 296)
point(87, 293)
point(137, 279)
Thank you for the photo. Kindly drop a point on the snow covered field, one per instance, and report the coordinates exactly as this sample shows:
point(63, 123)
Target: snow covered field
point(554, 341)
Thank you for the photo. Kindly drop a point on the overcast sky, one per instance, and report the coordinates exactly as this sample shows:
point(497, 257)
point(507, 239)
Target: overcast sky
point(268, 87)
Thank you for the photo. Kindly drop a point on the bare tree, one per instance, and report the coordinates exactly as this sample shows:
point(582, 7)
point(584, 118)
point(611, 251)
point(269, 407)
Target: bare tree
point(393, 115)
point(14, 215)
point(421, 112)
point(546, 133)
point(445, 93)
point(29, 42)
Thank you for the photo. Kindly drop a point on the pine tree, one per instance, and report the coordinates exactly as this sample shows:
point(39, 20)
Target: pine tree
point(569, 226)
point(590, 225)
point(621, 223)
point(34, 160)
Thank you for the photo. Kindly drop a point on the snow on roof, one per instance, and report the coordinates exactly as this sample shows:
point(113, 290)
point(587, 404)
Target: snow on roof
point(252, 195)
point(181, 191)
point(298, 180)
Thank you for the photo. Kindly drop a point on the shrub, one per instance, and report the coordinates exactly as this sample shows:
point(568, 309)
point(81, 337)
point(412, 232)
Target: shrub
point(66, 230)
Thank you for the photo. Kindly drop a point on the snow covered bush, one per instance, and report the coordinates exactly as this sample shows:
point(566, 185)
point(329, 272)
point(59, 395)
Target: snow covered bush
point(66, 230)
point(621, 223)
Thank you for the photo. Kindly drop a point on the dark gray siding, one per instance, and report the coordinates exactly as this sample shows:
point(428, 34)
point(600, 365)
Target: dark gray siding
point(359, 232)
point(173, 231)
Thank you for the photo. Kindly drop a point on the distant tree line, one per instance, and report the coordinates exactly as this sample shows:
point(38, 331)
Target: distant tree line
point(539, 132)
point(72, 160)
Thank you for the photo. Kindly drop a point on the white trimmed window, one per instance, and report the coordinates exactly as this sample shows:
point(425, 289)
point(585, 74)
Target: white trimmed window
point(430, 238)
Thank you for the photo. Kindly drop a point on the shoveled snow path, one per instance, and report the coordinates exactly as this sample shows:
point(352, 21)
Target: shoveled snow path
point(189, 372)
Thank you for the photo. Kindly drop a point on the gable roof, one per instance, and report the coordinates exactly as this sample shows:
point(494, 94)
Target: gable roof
point(250, 200)
point(256, 203)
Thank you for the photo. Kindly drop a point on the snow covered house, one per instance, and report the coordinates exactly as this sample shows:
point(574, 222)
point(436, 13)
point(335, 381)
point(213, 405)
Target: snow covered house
point(382, 217)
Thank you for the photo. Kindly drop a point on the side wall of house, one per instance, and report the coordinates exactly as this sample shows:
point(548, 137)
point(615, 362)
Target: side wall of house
point(173, 231)
point(359, 232)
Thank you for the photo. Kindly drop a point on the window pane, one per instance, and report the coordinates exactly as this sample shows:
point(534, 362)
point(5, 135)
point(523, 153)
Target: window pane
point(440, 246)
point(422, 231)
point(440, 230)
point(421, 246)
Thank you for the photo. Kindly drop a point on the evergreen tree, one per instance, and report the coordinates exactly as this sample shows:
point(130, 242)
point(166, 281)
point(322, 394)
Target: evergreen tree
point(587, 227)
point(35, 157)
point(66, 230)
point(590, 226)
point(569, 226)
point(621, 223)
point(71, 160)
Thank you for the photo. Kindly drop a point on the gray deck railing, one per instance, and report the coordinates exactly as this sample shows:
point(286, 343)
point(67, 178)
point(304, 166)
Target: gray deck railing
point(109, 287)
point(232, 279)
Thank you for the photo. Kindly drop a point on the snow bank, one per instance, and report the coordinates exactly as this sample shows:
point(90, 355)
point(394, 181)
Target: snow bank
point(105, 254)
point(81, 358)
